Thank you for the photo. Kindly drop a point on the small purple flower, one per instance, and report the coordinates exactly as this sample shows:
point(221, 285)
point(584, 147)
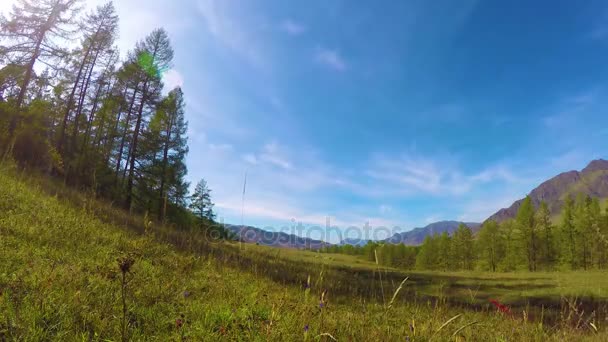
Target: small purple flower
point(321, 305)
point(306, 328)
point(186, 294)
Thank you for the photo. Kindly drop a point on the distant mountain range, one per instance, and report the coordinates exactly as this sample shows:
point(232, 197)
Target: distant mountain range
point(259, 236)
point(592, 181)
point(416, 236)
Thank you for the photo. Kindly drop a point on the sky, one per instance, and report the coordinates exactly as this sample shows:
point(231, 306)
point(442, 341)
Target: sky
point(391, 113)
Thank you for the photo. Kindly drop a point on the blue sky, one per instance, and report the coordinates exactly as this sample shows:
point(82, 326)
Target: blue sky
point(396, 113)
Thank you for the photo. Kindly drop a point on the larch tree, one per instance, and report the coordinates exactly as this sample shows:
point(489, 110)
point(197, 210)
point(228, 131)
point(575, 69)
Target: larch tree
point(463, 247)
point(490, 245)
point(525, 221)
point(544, 229)
point(99, 29)
point(35, 31)
point(568, 248)
point(154, 56)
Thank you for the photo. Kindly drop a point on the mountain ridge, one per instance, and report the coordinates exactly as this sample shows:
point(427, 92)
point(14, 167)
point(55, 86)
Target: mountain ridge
point(591, 180)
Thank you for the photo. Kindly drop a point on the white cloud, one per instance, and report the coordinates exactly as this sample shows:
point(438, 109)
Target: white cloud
point(330, 58)
point(292, 27)
point(172, 79)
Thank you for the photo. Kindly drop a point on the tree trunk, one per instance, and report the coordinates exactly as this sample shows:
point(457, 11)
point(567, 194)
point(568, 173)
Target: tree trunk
point(70, 99)
point(124, 135)
point(163, 176)
point(83, 96)
point(133, 149)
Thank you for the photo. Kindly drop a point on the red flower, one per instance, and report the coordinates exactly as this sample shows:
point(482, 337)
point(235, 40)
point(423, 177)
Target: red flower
point(179, 323)
point(501, 307)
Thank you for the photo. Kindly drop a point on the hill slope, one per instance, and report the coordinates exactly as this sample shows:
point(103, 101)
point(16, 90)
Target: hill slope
point(62, 279)
point(592, 181)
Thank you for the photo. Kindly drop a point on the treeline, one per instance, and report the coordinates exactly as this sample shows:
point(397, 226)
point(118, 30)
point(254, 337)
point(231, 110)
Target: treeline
point(72, 108)
point(530, 241)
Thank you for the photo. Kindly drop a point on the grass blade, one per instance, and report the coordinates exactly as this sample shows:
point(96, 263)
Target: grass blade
point(397, 292)
point(462, 327)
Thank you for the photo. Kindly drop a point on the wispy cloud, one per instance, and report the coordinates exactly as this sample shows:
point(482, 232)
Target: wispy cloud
point(222, 23)
point(292, 27)
point(272, 154)
point(330, 58)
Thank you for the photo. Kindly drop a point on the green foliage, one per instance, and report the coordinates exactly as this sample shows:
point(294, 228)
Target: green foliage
point(100, 124)
point(490, 246)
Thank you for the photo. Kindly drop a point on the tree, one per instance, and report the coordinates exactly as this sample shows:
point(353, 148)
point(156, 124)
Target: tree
point(100, 29)
point(154, 55)
point(444, 251)
point(425, 259)
point(463, 247)
point(584, 230)
point(514, 251)
point(567, 231)
point(490, 245)
point(200, 202)
point(544, 228)
point(173, 127)
point(525, 221)
point(34, 26)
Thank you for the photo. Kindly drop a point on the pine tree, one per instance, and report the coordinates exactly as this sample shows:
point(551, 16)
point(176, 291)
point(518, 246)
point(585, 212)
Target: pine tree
point(200, 202)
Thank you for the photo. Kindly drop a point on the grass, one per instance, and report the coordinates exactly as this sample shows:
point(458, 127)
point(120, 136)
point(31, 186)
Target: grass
point(63, 277)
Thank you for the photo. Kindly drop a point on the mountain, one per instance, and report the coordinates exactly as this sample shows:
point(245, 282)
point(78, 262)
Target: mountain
point(416, 236)
point(592, 181)
point(251, 234)
point(354, 242)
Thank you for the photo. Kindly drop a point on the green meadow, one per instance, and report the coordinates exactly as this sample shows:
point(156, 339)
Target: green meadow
point(74, 269)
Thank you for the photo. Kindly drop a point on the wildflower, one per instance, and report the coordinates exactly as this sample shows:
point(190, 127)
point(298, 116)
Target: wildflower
point(306, 328)
point(323, 299)
point(186, 294)
point(179, 323)
point(501, 307)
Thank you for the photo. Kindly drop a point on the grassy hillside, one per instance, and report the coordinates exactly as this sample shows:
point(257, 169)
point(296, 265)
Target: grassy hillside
point(69, 273)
